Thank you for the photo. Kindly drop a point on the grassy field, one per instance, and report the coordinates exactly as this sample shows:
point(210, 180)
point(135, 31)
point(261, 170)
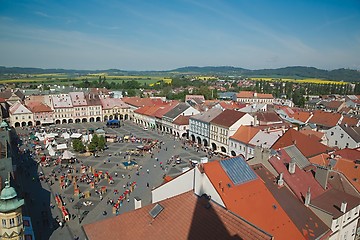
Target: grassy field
point(63, 79)
point(305, 80)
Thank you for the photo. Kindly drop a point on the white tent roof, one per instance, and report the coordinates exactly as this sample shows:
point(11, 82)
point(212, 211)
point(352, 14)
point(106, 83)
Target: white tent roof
point(76, 135)
point(65, 135)
point(61, 146)
point(87, 138)
point(54, 143)
point(51, 151)
point(67, 155)
point(50, 135)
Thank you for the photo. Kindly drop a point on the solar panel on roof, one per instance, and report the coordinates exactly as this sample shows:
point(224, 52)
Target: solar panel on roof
point(156, 210)
point(238, 170)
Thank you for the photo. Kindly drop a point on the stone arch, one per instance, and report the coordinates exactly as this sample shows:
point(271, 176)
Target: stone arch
point(91, 119)
point(23, 124)
point(17, 124)
point(70, 121)
point(105, 118)
point(126, 117)
point(184, 135)
point(206, 143)
point(64, 121)
point(98, 119)
point(214, 147)
point(192, 137)
point(30, 123)
point(37, 123)
point(57, 121)
point(223, 149)
point(111, 117)
point(84, 120)
point(77, 120)
point(233, 153)
point(198, 140)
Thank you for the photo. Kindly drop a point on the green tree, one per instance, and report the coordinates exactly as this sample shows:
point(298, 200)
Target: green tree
point(101, 143)
point(78, 145)
point(91, 147)
point(95, 140)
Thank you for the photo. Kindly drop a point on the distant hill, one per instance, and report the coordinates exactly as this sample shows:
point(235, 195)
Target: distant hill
point(342, 74)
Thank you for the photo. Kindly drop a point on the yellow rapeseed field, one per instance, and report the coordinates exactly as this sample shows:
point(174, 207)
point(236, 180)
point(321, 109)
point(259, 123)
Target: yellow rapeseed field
point(305, 80)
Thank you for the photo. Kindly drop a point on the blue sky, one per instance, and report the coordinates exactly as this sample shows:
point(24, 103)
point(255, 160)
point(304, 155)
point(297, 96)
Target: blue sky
point(162, 35)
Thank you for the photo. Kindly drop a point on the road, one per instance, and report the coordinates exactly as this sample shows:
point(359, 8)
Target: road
point(40, 194)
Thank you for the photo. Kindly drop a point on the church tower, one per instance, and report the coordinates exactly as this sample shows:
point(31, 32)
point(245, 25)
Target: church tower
point(11, 222)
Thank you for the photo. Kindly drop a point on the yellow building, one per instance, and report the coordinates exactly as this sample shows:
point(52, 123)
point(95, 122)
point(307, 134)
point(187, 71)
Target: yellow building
point(11, 226)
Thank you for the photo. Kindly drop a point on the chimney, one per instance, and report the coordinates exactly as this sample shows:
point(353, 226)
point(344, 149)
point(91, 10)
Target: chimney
point(307, 197)
point(281, 180)
point(137, 201)
point(255, 94)
point(343, 207)
point(292, 165)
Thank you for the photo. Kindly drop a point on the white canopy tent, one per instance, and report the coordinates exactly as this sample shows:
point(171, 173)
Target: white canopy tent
point(65, 135)
point(51, 151)
point(75, 135)
point(86, 138)
point(62, 146)
point(67, 155)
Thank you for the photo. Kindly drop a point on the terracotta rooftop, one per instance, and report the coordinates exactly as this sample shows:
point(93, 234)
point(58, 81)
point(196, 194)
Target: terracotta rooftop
point(37, 107)
point(227, 118)
point(244, 134)
point(348, 153)
point(181, 120)
point(338, 181)
point(300, 181)
point(301, 116)
point(326, 119)
point(322, 159)
point(307, 145)
point(140, 102)
point(252, 201)
point(78, 99)
point(271, 117)
point(350, 121)
point(231, 105)
point(166, 108)
point(110, 103)
point(185, 216)
point(312, 133)
point(331, 200)
point(311, 226)
point(350, 169)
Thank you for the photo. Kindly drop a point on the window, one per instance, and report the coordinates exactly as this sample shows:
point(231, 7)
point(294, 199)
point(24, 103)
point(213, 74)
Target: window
point(19, 219)
point(3, 223)
point(336, 142)
point(12, 222)
point(332, 133)
point(342, 135)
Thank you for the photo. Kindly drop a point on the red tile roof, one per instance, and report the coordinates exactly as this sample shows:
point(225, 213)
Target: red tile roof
point(37, 107)
point(182, 120)
point(321, 159)
point(244, 134)
point(245, 94)
point(350, 121)
point(325, 119)
point(307, 145)
point(348, 153)
point(185, 216)
point(301, 116)
point(312, 133)
point(254, 202)
point(164, 109)
point(231, 105)
point(307, 222)
point(300, 181)
point(268, 117)
point(350, 169)
point(140, 102)
point(227, 118)
point(2, 100)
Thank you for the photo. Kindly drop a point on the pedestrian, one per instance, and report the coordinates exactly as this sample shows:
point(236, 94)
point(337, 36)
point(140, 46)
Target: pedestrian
point(154, 165)
point(147, 170)
point(147, 184)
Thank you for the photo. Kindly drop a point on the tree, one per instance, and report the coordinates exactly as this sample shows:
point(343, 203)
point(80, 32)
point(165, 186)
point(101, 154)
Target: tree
point(92, 147)
point(101, 143)
point(78, 145)
point(95, 140)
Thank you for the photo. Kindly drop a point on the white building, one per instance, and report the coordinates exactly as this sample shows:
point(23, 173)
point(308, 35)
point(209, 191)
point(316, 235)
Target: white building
point(63, 108)
point(225, 125)
point(342, 136)
point(20, 115)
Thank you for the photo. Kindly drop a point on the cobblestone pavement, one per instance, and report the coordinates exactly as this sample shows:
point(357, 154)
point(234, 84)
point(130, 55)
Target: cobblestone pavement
point(39, 194)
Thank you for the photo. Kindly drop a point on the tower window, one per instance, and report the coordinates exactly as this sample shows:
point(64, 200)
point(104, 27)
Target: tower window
point(3, 223)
